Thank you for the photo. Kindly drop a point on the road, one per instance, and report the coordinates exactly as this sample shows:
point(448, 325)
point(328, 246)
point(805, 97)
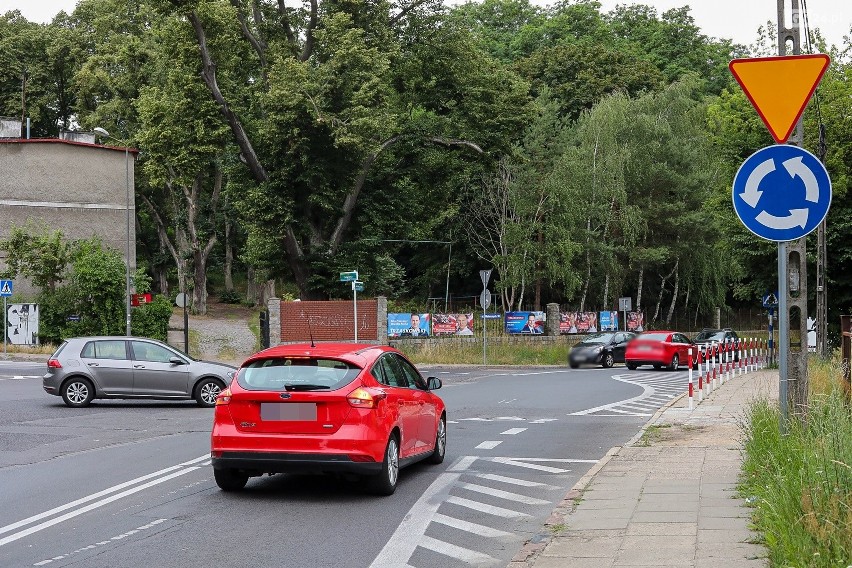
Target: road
point(128, 483)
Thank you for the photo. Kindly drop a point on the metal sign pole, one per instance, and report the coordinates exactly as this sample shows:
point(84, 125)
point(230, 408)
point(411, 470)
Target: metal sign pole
point(355, 309)
point(5, 326)
point(783, 333)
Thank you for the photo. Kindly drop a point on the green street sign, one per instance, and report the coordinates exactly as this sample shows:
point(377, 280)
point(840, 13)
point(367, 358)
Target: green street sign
point(358, 286)
point(349, 276)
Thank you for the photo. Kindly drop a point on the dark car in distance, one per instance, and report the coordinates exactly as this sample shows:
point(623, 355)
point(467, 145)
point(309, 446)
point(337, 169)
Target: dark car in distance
point(605, 349)
point(706, 338)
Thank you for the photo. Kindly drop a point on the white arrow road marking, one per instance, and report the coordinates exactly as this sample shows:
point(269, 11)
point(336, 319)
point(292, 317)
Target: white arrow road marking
point(794, 167)
point(752, 194)
point(796, 218)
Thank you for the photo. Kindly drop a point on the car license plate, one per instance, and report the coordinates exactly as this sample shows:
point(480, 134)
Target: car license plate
point(645, 348)
point(289, 411)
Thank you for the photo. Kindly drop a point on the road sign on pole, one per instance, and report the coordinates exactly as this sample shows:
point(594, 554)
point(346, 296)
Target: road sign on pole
point(485, 275)
point(781, 193)
point(6, 287)
point(770, 300)
point(485, 299)
point(349, 276)
point(779, 88)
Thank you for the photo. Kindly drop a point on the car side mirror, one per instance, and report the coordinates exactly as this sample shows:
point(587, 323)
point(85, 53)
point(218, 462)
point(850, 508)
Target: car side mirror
point(177, 361)
point(434, 383)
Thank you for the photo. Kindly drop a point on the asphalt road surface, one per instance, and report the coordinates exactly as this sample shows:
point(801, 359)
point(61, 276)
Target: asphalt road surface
point(128, 483)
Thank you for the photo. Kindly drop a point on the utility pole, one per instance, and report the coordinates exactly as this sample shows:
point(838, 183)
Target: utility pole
point(792, 268)
point(822, 261)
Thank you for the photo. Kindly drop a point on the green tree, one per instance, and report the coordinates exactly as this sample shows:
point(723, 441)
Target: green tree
point(37, 253)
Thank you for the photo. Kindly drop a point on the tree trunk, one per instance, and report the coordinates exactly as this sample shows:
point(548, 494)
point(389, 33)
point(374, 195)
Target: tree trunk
point(674, 292)
point(199, 281)
point(606, 304)
point(639, 289)
point(251, 286)
point(229, 257)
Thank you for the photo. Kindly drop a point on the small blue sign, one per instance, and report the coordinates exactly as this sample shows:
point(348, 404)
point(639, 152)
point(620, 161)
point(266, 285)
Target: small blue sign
point(781, 193)
point(6, 288)
point(770, 300)
point(490, 316)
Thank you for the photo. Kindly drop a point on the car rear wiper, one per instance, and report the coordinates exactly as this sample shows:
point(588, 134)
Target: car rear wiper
point(304, 387)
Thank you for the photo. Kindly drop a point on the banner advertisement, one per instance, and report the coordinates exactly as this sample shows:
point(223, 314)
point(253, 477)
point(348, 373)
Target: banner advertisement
point(408, 325)
point(609, 321)
point(452, 324)
point(578, 322)
point(635, 321)
point(22, 324)
point(525, 322)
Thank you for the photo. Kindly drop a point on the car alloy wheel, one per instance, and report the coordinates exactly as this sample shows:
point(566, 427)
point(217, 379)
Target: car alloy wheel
point(385, 482)
point(440, 443)
point(207, 391)
point(675, 363)
point(608, 361)
point(78, 392)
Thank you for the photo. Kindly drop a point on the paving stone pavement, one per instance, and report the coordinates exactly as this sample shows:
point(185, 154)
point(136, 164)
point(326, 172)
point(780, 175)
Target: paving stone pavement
point(668, 497)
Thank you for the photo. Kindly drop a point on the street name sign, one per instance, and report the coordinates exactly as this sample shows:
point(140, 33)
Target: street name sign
point(781, 193)
point(349, 276)
point(779, 88)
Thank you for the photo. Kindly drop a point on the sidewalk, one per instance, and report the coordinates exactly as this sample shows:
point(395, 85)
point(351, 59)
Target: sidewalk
point(667, 498)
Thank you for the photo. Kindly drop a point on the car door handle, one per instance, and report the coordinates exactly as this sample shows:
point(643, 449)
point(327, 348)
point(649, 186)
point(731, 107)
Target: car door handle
point(92, 364)
point(138, 366)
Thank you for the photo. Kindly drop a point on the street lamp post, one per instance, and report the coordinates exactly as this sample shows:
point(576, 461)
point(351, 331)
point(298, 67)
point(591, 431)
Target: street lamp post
point(106, 134)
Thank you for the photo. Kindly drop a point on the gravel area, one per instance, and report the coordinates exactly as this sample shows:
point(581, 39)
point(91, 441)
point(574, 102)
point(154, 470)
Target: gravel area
point(225, 339)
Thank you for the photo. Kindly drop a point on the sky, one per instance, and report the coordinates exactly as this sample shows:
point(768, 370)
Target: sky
point(732, 19)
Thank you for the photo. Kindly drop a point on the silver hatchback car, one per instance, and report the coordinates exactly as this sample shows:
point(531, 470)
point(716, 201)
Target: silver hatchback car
point(85, 368)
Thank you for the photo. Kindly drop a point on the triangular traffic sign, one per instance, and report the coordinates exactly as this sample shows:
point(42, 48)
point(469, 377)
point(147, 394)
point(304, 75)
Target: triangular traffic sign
point(7, 289)
point(780, 87)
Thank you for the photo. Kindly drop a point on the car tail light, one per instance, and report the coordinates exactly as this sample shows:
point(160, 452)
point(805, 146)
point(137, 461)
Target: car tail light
point(224, 397)
point(365, 398)
point(54, 364)
point(216, 454)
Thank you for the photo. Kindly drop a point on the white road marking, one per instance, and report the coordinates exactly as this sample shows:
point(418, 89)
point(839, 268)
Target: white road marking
point(462, 464)
point(512, 431)
point(489, 445)
point(20, 377)
point(92, 497)
point(484, 508)
point(507, 495)
point(507, 401)
point(515, 481)
point(465, 555)
point(543, 420)
point(467, 526)
point(402, 543)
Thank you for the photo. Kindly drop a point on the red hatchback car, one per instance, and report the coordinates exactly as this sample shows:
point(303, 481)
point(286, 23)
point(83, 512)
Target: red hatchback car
point(658, 348)
point(334, 407)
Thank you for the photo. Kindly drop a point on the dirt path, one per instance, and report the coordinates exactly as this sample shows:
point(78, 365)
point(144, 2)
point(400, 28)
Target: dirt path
point(222, 335)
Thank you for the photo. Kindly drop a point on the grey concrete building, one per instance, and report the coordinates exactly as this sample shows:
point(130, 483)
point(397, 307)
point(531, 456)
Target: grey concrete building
point(80, 188)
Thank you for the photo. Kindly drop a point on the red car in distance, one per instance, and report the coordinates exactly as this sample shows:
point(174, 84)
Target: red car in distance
point(668, 349)
point(334, 407)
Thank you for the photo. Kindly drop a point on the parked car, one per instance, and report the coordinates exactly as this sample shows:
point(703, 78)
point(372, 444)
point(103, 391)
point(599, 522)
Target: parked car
point(658, 348)
point(706, 337)
point(86, 368)
point(605, 349)
point(336, 407)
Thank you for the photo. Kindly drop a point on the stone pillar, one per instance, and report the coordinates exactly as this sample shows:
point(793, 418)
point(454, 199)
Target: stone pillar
point(382, 320)
point(274, 307)
point(551, 326)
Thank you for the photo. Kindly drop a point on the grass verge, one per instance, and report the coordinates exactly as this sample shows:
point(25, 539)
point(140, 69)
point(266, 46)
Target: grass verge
point(800, 483)
point(449, 352)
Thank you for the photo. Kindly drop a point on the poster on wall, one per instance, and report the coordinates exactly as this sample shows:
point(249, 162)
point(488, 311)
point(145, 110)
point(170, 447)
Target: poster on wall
point(525, 323)
point(609, 321)
point(408, 325)
point(635, 321)
point(578, 322)
point(452, 324)
point(22, 324)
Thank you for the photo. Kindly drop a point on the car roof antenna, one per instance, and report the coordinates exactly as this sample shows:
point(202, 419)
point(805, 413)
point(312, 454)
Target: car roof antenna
point(310, 329)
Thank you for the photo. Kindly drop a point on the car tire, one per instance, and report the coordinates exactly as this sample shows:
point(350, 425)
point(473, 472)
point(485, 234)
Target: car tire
point(632, 366)
point(78, 392)
point(608, 361)
point(657, 366)
point(573, 365)
point(440, 443)
point(675, 363)
point(206, 392)
point(230, 479)
point(385, 482)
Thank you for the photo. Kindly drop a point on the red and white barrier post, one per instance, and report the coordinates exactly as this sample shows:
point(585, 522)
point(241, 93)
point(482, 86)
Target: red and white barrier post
point(740, 361)
point(715, 366)
point(700, 377)
point(690, 377)
point(728, 359)
point(751, 361)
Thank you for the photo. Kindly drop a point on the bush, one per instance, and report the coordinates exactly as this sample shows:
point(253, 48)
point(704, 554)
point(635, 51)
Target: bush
point(152, 319)
point(230, 297)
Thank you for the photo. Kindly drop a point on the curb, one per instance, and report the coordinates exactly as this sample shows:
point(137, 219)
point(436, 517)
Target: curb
point(533, 547)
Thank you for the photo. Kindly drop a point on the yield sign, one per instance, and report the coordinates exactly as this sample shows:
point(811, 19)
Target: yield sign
point(779, 88)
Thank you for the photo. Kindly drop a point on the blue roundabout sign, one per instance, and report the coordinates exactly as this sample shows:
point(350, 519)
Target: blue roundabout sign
point(781, 193)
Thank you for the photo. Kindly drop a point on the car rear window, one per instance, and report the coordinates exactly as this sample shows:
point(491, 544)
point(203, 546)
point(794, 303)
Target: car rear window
point(297, 373)
point(59, 350)
point(654, 336)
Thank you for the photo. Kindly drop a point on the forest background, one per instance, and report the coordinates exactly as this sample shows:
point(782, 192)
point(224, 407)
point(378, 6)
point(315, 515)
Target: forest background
point(583, 155)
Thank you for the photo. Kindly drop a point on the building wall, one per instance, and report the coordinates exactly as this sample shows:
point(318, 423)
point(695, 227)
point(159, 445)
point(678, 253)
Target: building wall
point(328, 321)
point(80, 189)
